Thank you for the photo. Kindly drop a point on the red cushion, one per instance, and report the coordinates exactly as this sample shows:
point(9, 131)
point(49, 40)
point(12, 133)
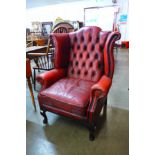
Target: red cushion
point(68, 94)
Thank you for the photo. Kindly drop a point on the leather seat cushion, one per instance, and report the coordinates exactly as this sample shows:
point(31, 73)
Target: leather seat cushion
point(69, 94)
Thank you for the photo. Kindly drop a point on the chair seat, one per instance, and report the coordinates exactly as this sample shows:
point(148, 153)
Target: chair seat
point(64, 94)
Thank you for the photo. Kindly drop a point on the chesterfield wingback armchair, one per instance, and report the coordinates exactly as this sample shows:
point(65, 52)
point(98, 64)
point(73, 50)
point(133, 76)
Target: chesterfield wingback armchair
point(79, 84)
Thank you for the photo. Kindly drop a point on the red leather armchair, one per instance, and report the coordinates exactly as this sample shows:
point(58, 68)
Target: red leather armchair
point(79, 84)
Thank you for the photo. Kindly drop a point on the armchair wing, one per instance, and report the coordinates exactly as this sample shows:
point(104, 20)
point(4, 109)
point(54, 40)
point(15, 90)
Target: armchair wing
point(61, 57)
point(62, 49)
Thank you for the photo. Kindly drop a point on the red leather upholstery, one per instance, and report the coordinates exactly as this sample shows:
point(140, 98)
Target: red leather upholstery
point(62, 46)
point(84, 65)
point(48, 78)
point(86, 58)
point(102, 85)
point(98, 91)
point(64, 94)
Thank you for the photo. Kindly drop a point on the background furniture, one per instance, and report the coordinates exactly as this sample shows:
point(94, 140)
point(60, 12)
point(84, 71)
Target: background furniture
point(28, 76)
point(41, 42)
point(35, 49)
point(39, 33)
point(79, 84)
point(60, 29)
point(34, 52)
point(67, 25)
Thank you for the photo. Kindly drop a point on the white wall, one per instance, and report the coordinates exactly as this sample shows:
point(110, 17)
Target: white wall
point(72, 11)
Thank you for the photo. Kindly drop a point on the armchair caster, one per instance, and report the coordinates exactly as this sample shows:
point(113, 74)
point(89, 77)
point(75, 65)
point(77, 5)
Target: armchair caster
point(45, 121)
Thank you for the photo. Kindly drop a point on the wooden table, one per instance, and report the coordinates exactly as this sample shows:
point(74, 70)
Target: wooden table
point(34, 51)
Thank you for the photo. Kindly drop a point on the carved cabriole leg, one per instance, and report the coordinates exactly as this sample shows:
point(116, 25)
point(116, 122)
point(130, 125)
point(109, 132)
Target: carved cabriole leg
point(34, 78)
point(92, 125)
point(42, 112)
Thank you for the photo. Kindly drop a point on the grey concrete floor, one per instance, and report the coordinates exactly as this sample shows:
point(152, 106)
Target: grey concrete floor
point(64, 136)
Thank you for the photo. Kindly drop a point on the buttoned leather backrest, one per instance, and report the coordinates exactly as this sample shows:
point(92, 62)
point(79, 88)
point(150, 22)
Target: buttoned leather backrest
point(86, 53)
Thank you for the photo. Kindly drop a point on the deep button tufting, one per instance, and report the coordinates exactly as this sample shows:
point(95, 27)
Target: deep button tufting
point(97, 39)
point(76, 63)
point(83, 64)
point(93, 73)
point(80, 55)
point(85, 47)
point(78, 72)
point(90, 38)
point(78, 47)
point(75, 39)
point(74, 55)
point(96, 56)
point(91, 64)
point(92, 47)
point(88, 56)
point(85, 73)
point(82, 39)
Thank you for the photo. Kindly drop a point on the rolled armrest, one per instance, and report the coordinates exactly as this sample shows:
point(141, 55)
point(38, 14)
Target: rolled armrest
point(48, 78)
point(102, 86)
point(98, 91)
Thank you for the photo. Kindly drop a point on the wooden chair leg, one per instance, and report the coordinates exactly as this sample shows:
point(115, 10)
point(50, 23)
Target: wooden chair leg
point(34, 78)
point(31, 92)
